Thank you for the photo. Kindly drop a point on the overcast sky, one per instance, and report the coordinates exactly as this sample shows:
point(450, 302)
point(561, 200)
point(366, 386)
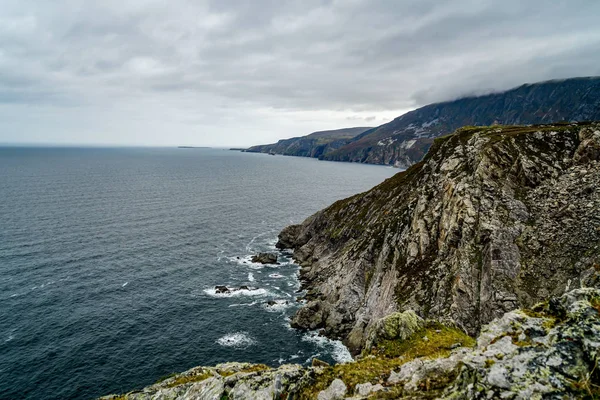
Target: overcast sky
point(235, 72)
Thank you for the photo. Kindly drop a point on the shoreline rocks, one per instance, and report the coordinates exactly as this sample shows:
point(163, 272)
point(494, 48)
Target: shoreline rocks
point(222, 289)
point(265, 258)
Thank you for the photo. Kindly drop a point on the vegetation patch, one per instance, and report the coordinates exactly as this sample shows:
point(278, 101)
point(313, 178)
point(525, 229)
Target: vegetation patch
point(433, 341)
point(247, 370)
point(189, 379)
point(595, 302)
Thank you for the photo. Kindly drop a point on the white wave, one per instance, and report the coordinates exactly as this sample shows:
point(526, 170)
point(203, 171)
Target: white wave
point(243, 304)
point(251, 277)
point(237, 339)
point(9, 338)
point(278, 305)
point(236, 293)
point(339, 352)
point(246, 261)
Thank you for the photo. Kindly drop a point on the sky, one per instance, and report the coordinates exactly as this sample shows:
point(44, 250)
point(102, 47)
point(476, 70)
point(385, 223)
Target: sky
point(244, 72)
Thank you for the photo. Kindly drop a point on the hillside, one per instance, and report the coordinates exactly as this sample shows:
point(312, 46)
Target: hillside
point(406, 139)
point(492, 219)
point(314, 145)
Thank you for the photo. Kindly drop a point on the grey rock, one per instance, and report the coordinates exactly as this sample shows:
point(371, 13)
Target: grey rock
point(365, 389)
point(335, 391)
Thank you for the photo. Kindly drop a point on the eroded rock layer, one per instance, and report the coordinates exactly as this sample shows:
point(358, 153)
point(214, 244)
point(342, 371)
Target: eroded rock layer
point(492, 219)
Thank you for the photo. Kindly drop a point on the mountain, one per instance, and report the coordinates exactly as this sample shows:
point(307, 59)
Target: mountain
point(492, 219)
point(405, 140)
point(314, 145)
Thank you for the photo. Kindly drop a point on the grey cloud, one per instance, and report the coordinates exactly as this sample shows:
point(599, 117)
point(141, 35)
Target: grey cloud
point(327, 60)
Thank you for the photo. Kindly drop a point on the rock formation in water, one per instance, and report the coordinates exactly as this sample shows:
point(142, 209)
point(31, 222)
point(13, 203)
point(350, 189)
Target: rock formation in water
point(492, 219)
point(551, 351)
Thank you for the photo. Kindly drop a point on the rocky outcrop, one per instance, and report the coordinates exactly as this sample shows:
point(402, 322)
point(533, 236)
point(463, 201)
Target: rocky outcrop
point(222, 289)
point(492, 219)
point(405, 140)
point(551, 351)
point(265, 258)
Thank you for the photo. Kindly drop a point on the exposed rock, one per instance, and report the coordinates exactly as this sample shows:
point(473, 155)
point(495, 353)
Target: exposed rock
point(336, 391)
point(521, 355)
point(221, 289)
point(265, 258)
point(365, 389)
point(492, 219)
point(319, 363)
point(396, 326)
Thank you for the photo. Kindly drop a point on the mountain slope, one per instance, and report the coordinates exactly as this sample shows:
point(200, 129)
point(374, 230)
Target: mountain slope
point(405, 140)
point(314, 145)
point(492, 219)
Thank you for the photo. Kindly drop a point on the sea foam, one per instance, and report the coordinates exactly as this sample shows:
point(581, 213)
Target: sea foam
point(237, 339)
point(336, 348)
point(236, 293)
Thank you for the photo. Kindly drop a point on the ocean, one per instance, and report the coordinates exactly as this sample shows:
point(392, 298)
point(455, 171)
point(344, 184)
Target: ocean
point(109, 260)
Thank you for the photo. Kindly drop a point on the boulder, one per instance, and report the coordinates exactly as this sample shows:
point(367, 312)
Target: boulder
point(222, 289)
point(265, 258)
point(396, 326)
point(319, 363)
point(335, 391)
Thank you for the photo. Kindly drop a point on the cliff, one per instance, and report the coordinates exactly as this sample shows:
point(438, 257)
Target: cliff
point(492, 219)
point(551, 351)
point(405, 140)
point(314, 145)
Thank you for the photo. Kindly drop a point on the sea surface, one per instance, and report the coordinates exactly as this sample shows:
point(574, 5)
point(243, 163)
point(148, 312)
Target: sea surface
point(109, 259)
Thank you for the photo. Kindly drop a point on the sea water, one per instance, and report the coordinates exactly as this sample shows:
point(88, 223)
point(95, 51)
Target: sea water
point(109, 260)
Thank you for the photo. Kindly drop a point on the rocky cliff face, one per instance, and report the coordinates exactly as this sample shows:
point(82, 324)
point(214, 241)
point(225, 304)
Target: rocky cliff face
point(314, 145)
point(405, 140)
point(492, 219)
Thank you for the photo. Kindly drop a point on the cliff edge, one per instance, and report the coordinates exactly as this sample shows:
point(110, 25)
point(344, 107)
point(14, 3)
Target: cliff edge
point(494, 218)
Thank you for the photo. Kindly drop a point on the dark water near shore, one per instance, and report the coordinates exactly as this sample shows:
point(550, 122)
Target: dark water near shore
point(109, 257)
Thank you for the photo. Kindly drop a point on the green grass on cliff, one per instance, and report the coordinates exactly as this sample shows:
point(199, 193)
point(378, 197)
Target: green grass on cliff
point(433, 341)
